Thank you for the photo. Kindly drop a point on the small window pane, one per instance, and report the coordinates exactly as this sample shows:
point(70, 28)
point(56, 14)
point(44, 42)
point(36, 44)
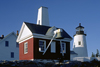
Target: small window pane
point(6, 43)
point(79, 43)
point(42, 45)
point(12, 54)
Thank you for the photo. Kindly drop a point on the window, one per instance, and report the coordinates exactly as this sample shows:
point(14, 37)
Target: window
point(17, 45)
point(42, 45)
point(79, 43)
point(53, 47)
point(63, 47)
point(6, 43)
point(12, 54)
point(25, 47)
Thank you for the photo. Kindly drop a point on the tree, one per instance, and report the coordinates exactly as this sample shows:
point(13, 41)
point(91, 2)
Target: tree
point(97, 54)
point(93, 55)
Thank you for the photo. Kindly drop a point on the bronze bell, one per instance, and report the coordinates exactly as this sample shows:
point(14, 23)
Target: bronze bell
point(59, 35)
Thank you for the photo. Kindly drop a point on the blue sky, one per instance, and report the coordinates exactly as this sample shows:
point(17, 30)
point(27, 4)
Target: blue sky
point(66, 14)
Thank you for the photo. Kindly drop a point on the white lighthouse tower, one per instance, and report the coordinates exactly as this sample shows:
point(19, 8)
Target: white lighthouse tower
point(79, 44)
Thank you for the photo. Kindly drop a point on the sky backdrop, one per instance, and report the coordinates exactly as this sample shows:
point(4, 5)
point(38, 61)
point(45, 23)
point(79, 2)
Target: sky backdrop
point(66, 14)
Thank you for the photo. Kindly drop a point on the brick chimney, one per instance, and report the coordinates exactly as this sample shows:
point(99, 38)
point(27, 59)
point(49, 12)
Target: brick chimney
point(17, 33)
point(2, 36)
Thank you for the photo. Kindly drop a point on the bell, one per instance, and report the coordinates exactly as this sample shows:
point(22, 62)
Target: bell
point(59, 35)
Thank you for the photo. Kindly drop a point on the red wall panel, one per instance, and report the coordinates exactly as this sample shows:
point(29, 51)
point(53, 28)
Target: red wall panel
point(29, 55)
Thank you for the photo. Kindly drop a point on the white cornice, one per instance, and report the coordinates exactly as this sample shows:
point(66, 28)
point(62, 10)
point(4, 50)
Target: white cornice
point(43, 37)
point(49, 37)
point(26, 38)
point(21, 39)
point(22, 27)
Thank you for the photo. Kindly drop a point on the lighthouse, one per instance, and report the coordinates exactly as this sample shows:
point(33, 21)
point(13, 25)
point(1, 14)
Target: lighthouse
point(79, 44)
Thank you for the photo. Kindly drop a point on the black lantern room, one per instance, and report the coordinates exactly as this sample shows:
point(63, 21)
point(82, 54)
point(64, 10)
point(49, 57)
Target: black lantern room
point(80, 30)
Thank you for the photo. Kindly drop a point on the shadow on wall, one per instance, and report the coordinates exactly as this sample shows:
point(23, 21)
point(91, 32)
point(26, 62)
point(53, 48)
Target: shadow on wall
point(81, 51)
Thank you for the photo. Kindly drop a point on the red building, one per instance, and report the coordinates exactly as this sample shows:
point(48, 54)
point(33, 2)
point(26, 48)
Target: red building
point(33, 40)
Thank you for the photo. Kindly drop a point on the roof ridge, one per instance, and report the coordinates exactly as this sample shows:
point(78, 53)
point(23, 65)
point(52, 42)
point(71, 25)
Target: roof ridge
point(36, 24)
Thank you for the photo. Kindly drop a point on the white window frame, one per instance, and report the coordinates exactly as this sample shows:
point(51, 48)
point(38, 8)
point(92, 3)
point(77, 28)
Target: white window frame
point(44, 45)
point(53, 47)
point(63, 47)
point(25, 47)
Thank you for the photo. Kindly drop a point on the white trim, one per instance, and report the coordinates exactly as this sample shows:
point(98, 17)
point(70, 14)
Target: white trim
point(49, 37)
point(43, 37)
point(24, 39)
point(21, 31)
point(22, 27)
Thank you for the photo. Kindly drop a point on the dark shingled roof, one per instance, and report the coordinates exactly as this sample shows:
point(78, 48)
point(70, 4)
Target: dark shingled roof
point(41, 29)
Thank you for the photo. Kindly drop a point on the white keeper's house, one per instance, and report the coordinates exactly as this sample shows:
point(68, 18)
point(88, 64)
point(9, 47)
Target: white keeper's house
point(9, 48)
